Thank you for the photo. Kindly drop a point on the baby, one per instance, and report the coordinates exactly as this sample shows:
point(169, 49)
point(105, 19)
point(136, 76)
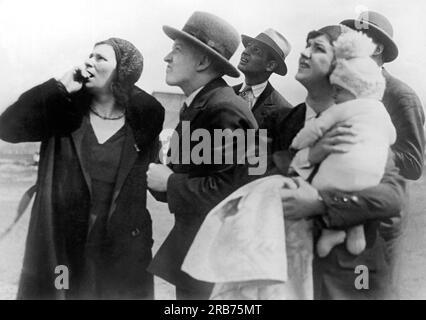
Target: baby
point(358, 87)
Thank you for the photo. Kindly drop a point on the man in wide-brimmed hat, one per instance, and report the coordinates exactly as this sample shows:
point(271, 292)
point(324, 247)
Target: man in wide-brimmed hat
point(403, 105)
point(198, 60)
point(262, 56)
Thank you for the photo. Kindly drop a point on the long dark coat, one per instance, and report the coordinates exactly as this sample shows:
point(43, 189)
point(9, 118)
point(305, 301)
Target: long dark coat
point(58, 232)
point(194, 189)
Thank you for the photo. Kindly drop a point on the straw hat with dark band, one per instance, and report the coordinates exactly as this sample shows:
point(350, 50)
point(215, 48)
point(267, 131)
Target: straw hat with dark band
point(278, 45)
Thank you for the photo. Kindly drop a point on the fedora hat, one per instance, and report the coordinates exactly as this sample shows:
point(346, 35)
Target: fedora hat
point(211, 34)
point(278, 45)
point(379, 28)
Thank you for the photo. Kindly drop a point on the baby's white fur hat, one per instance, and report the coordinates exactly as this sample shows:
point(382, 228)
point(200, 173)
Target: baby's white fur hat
point(355, 70)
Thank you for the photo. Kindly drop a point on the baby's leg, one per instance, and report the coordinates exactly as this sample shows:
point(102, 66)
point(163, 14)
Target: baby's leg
point(355, 242)
point(328, 240)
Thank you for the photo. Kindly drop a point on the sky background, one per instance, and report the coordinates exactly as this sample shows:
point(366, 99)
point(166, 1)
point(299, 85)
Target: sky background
point(43, 39)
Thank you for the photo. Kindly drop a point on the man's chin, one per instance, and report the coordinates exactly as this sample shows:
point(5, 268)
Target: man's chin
point(171, 82)
point(241, 67)
point(300, 77)
point(89, 87)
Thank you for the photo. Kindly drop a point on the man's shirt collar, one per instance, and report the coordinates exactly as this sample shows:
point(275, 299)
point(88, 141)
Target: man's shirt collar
point(192, 96)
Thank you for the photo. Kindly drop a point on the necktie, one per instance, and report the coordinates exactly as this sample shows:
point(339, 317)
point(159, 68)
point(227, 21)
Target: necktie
point(183, 110)
point(247, 95)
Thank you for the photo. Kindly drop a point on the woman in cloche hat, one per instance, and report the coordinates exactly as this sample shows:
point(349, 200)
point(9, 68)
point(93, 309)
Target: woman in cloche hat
point(98, 133)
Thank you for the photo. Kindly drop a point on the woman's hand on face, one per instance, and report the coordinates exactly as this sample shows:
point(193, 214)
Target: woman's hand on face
point(73, 79)
point(336, 140)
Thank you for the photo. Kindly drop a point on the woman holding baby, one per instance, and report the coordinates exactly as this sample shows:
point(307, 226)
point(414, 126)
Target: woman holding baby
point(346, 203)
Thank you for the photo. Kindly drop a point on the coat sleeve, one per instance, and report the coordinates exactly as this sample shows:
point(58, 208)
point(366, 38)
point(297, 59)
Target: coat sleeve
point(188, 195)
point(196, 194)
point(381, 202)
point(410, 142)
point(156, 146)
point(159, 196)
point(35, 115)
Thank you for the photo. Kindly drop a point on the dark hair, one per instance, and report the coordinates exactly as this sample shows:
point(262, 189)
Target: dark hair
point(315, 34)
point(332, 32)
point(120, 93)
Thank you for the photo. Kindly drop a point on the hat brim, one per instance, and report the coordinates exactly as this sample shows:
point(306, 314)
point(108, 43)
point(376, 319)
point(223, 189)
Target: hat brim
point(282, 67)
point(226, 66)
point(391, 51)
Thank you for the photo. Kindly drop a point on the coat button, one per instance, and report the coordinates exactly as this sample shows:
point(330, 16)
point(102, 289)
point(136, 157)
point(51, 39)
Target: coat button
point(136, 232)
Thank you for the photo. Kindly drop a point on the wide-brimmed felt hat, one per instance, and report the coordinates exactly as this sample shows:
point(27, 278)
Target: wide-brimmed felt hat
point(211, 34)
point(278, 45)
point(379, 28)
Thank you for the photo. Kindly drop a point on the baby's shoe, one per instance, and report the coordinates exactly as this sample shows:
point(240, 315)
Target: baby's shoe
point(355, 241)
point(328, 240)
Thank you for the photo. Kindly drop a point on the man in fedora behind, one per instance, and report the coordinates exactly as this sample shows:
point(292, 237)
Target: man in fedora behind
point(400, 100)
point(198, 60)
point(263, 56)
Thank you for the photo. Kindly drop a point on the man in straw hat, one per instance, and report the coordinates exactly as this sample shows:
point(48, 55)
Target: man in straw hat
point(400, 100)
point(404, 107)
point(263, 56)
point(198, 60)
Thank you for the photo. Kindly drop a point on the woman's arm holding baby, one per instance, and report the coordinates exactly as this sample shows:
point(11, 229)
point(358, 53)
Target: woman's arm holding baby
point(341, 209)
point(316, 128)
